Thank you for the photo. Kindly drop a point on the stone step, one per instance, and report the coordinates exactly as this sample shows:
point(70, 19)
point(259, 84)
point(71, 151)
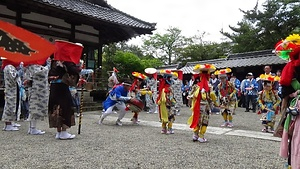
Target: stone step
point(86, 97)
point(85, 94)
point(91, 104)
point(93, 108)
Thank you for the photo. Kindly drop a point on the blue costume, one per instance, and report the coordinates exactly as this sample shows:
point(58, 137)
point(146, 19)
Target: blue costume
point(117, 94)
point(117, 97)
point(250, 89)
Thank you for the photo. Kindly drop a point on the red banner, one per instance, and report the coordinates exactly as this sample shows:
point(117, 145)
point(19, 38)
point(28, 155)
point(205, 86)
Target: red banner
point(19, 45)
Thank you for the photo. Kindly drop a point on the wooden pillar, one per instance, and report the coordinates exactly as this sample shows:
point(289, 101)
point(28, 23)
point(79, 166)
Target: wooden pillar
point(72, 37)
point(99, 61)
point(100, 56)
point(18, 18)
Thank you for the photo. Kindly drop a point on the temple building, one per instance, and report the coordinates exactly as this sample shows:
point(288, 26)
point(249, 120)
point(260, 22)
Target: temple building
point(93, 23)
point(240, 63)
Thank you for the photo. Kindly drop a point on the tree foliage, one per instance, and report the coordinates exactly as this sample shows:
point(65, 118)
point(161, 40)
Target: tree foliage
point(124, 57)
point(261, 29)
point(127, 62)
point(165, 46)
point(198, 49)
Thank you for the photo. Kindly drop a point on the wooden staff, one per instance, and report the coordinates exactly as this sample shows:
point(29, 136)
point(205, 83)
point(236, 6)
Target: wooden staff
point(81, 100)
point(81, 107)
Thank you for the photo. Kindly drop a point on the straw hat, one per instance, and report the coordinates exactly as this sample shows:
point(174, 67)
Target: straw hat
point(270, 78)
point(168, 73)
point(223, 72)
point(139, 75)
point(150, 71)
point(205, 67)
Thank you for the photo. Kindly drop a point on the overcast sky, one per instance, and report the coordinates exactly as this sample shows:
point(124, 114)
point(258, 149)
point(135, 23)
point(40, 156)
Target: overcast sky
point(191, 16)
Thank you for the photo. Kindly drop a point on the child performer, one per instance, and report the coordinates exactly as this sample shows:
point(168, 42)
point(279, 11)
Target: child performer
point(136, 87)
point(268, 101)
point(227, 97)
point(201, 102)
point(151, 83)
point(165, 101)
point(176, 87)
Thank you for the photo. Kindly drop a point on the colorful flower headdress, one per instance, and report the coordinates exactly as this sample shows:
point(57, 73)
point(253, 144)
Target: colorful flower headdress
point(139, 75)
point(168, 73)
point(270, 78)
point(205, 67)
point(287, 48)
point(223, 71)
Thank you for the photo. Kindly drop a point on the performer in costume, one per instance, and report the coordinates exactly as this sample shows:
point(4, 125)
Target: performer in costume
point(268, 101)
point(113, 80)
point(36, 78)
point(136, 91)
point(289, 125)
point(63, 73)
point(176, 87)
point(20, 69)
point(202, 97)
point(166, 101)
point(152, 86)
point(116, 98)
point(12, 99)
point(227, 97)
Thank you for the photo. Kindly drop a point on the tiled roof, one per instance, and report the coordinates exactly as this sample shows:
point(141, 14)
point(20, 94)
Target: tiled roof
point(188, 68)
point(98, 12)
point(169, 67)
point(257, 58)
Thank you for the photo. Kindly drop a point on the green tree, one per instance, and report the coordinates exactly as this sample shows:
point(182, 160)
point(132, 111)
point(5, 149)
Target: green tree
point(127, 63)
point(262, 29)
point(245, 37)
point(135, 49)
point(198, 49)
point(107, 58)
point(152, 62)
point(166, 46)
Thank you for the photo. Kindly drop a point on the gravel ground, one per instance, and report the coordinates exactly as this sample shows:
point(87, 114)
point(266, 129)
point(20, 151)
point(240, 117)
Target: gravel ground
point(137, 146)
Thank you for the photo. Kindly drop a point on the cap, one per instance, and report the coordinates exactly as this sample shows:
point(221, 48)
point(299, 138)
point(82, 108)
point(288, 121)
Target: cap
point(127, 83)
point(250, 74)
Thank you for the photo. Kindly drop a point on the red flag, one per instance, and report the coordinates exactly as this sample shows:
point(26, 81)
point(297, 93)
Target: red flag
point(19, 45)
point(68, 51)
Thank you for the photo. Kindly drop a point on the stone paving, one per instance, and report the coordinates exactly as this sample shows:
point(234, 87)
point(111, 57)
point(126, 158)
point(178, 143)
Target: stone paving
point(142, 146)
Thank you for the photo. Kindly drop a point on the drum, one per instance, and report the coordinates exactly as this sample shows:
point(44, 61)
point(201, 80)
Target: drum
point(135, 105)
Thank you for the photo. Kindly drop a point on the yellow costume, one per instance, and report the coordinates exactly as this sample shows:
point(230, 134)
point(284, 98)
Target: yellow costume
point(202, 97)
point(165, 101)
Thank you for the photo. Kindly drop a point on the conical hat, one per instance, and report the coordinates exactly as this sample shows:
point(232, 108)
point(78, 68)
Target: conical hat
point(270, 78)
point(169, 73)
point(150, 71)
point(139, 75)
point(205, 67)
point(223, 72)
